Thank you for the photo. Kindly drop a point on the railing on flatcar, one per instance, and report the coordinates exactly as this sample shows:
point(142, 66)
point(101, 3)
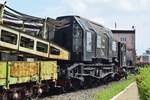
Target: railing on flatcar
point(22, 37)
point(11, 39)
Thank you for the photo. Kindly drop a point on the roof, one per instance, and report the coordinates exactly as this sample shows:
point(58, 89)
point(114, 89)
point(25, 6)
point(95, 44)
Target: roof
point(88, 25)
point(123, 31)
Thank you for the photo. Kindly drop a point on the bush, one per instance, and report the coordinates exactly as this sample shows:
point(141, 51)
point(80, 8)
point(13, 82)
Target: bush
point(143, 82)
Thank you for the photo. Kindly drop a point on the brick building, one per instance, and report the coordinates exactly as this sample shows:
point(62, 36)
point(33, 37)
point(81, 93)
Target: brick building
point(128, 37)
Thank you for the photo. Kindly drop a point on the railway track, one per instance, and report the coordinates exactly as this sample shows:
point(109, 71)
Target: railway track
point(83, 94)
point(86, 94)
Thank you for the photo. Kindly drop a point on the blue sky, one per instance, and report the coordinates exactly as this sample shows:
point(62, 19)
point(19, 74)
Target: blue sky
point(124, 12)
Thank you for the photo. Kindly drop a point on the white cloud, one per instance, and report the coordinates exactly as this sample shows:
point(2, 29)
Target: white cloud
point(2, 1)
point(133, 5)
point(98, 20)
point(98, 1)
point(126, 5)
point(78, 6)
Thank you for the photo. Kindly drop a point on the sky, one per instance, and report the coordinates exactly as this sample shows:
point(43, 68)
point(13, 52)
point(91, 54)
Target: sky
point(125, 13)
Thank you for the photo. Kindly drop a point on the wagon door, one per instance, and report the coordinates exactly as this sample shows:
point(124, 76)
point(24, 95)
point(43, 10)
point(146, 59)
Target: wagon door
point(90, 45)
point(105, 46)
point(98, 46)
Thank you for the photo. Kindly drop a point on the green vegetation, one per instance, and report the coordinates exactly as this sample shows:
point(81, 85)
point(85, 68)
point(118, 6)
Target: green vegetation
point(114, 89)
point(143, 82)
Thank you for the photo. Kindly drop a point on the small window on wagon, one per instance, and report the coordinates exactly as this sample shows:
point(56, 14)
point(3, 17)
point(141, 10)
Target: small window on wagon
point(89, 42)
point(99, 44)
point(8, 37)
point(54, 51)
point(42, 47)
point(114, 46)
point(26, 42)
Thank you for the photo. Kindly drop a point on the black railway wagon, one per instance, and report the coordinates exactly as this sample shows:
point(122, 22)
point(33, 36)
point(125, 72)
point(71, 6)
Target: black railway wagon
point(86, 40)
point(93, 58)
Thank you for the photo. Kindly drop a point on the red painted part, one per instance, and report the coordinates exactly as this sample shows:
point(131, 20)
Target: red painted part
point(62, 82)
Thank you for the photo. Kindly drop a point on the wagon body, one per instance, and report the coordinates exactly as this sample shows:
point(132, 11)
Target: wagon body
point(16, 72)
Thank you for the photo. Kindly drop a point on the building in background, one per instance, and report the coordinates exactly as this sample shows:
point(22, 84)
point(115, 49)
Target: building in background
point(128, 37)
point(145, 57)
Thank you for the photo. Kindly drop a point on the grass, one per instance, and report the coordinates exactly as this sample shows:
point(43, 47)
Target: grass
point(113, 89)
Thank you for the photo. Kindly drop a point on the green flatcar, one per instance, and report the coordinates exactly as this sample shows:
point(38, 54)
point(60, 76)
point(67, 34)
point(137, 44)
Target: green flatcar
point(17, 78)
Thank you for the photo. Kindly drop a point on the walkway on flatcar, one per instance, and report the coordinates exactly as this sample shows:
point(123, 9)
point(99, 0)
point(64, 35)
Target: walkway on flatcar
point(129, 93)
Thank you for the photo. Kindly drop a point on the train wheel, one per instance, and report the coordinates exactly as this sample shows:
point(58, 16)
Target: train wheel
point(89, 82)
point(5, 96)
point(10, 96)
point(16, 95)
point(27, 98)
point(117, 77)
point(67, 87)
point(27, 95)
point(37, 92)
point(62, 90)
point(1, 96)
point(76, 85)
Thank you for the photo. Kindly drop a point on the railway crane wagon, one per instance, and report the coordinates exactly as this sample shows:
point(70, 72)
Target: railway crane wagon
point(94, 55)
point(85, 55)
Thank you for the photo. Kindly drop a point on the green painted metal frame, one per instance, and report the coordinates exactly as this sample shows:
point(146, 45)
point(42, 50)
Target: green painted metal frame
point(47, 70)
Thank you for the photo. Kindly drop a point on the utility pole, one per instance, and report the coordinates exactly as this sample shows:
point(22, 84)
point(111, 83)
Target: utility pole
point(115, 25)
